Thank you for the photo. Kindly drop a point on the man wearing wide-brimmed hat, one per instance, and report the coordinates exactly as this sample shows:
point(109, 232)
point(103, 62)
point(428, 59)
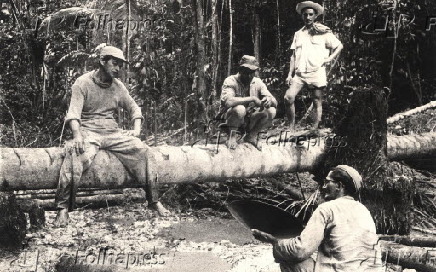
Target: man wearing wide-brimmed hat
point(95, 97)
point(340, 229)
point(314, 46)
point(246, 102)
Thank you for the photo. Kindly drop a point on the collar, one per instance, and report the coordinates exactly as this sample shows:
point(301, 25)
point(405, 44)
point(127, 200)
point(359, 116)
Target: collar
point(97, 81)
point(317, 29)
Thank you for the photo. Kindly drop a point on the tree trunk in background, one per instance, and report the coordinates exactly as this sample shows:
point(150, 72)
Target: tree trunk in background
point(215, 48)
point(257, 33)
point(365, 130)
point(230, 59)
point(201, 56)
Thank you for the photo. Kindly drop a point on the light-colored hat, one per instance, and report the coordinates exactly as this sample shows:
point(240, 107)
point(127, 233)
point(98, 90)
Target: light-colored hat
point(309, 4)
point(112, 51)
point(249, 61)
point(355, 176)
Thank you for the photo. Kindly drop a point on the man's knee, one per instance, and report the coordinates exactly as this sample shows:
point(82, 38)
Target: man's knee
point(238, 112)
point(289, 98)
point(271, 112)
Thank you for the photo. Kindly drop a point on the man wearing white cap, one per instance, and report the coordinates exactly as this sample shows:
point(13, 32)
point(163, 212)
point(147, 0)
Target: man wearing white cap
point(95, 97)
point(246, 101)
point(314, 46)
point(340, 229)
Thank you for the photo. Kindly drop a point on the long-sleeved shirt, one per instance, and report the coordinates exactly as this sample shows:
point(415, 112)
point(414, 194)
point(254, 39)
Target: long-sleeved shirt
point(94, 106)
point(343, 232)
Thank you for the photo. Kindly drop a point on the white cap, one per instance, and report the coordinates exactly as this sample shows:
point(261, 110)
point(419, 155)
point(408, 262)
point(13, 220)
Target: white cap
point(112, 51)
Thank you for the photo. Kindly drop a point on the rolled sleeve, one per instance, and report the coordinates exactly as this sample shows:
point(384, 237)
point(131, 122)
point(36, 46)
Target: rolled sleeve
point(303, 246)
point(294, 40)
point(263, 89)
point(331, 41)
point(227, 91)
point(76, 104)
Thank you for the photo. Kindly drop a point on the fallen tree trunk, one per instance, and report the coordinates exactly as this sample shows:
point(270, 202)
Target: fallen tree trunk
point(402, 115)
point(95, 201)
point(428, 241)
point(38, 168)
point(420, 258)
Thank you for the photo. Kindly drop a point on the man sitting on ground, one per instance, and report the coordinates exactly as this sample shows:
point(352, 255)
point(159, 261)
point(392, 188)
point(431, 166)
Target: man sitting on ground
point(341, 229)
point(246, 102)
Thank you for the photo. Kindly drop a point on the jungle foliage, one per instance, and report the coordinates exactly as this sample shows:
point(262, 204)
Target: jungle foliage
point(180, 56)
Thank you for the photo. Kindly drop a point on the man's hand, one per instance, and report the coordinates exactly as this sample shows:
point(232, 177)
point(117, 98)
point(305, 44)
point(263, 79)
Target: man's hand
point(256, 101)
point(327, 61)
point(77, 145)
point(132, 132)
point(264, 237)
point(266, 102)
point(289, 79)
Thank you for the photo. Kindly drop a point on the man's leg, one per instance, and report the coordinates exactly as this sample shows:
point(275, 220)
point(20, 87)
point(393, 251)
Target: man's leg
point(290, 95)
point(307, 265)
point(235, 119)
point(72, 169)
point(317, 106)
point(133, 155)
point(259, 121)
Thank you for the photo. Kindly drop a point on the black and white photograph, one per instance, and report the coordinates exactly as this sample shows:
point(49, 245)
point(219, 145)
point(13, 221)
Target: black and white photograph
point(218, 136)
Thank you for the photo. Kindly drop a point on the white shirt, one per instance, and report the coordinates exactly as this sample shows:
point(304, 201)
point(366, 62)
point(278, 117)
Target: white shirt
point(312, 50)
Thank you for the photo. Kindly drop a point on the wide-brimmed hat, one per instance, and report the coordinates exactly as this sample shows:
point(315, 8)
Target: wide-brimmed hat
point(250, 62)
point(309, 4)
point(355, 176)
point(112, 51)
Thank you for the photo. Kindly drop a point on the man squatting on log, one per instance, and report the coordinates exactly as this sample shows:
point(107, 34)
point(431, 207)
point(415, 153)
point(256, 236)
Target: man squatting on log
point(341, 229)
point(246, 103)
point(314, 46)
point(95, 97)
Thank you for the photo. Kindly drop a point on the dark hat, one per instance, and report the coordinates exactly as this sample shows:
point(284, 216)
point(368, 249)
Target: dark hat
point(249, 61)
point(309, 4)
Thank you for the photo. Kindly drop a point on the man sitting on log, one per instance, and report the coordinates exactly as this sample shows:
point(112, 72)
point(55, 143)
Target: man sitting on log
point(341, 229)
point(95, 97)
point(246, 103)
point(314, 46)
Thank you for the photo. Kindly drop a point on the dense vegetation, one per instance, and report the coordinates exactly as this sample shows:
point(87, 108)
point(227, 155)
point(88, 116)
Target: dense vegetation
point(181, 55)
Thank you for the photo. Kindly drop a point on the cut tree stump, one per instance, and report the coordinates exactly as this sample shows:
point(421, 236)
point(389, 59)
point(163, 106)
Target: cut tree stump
point(389, 199)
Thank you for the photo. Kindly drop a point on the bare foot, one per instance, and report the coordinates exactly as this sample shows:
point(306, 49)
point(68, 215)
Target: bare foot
point(232, 142)
point(62, 218)
point(161, 210)
point(253, 141)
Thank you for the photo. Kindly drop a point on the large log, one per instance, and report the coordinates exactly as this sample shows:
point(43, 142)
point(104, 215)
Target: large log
point(38, 168)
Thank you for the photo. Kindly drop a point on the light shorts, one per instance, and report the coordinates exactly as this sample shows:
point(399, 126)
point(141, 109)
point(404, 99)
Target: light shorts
point(317, 78)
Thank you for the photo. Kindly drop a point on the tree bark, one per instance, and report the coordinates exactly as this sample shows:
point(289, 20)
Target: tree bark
point(419, 258)
point(365, 131)
point(257, 33)
point(230, 59)
point(38, 168)
point(95, 201)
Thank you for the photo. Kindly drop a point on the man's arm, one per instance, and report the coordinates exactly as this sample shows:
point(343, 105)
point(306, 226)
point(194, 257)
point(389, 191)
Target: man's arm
point(291, 68)
point(134, 110)
point(78, 142)
point(335, 53)
point(303, 246)
point(229, 98)
point(234, 101)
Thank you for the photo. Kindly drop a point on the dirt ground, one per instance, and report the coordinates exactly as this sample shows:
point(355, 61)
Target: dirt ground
point(134, 239)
